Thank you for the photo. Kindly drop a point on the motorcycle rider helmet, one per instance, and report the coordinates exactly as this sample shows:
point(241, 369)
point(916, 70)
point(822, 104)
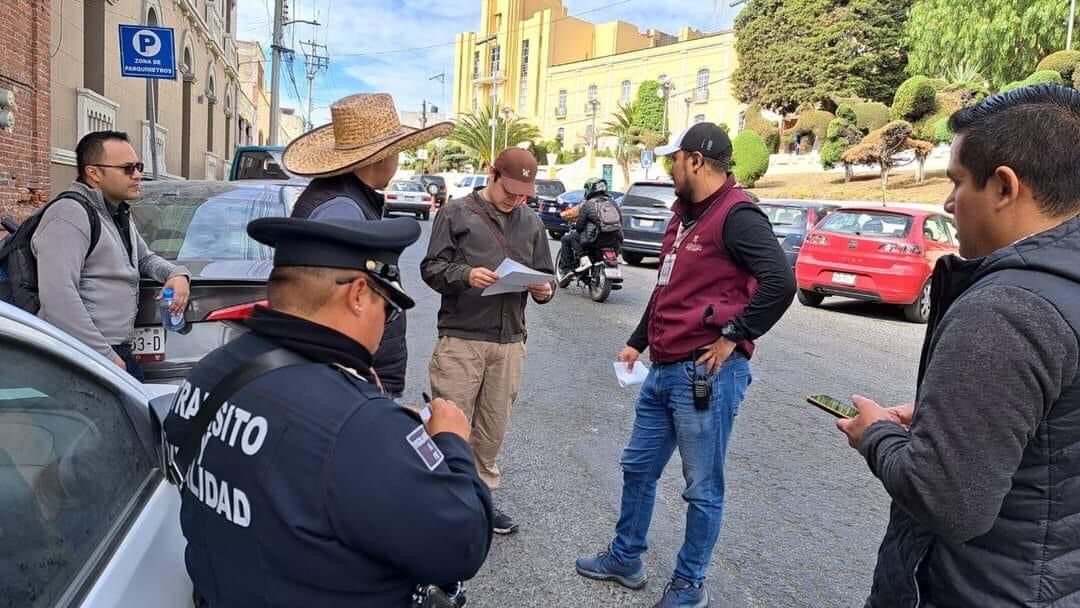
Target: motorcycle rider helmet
point(595, 186)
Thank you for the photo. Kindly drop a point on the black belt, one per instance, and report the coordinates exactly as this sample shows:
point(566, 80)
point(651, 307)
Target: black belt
point(697, 354)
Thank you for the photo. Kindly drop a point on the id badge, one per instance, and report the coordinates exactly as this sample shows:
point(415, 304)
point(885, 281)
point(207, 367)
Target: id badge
point(666, 268)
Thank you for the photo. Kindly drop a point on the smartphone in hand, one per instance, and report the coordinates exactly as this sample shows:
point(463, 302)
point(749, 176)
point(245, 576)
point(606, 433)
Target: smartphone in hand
point(833, 406)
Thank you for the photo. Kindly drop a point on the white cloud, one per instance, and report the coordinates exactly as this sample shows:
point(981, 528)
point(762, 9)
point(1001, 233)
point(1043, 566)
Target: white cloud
point(377, 45)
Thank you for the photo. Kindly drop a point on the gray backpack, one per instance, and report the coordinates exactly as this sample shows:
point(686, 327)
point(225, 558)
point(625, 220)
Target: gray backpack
point(608, 212)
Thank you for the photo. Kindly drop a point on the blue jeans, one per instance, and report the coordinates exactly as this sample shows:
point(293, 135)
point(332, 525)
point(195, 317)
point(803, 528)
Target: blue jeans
point(666, 418)
point(134, 368)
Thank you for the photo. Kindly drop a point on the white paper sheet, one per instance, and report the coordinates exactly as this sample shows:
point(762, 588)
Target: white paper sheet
point(515, 278)
point(630, 378)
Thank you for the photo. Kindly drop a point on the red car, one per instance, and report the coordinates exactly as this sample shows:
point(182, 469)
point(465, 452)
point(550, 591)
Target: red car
point(875, 254)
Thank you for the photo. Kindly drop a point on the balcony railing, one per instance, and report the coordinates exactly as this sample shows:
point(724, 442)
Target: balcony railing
point(214, 24)
point(493, 78)
point(701, 95)
point(94, 112)
point(560, 111)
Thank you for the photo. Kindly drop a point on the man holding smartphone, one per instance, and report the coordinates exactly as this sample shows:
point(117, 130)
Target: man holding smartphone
point(723, 283)
point(984, 468)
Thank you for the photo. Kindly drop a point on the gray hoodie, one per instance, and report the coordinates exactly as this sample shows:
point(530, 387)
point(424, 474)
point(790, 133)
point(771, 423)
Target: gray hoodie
point(94, 298)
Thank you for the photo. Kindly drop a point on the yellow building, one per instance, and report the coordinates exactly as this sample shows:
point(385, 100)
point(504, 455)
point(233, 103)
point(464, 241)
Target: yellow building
point(549, 68)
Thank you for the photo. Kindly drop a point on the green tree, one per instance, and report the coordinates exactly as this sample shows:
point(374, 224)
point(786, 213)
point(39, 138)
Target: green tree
point(473, 132)
point(650, 108)
point(750, 158)
point(627, 137)
point(793, 52)
point(1006, 38)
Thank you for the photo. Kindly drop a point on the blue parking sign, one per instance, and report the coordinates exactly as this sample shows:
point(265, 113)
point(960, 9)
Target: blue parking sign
point(647, 158)
point(147, 52)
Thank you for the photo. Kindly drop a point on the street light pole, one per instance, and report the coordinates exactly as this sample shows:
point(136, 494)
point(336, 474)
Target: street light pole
point(663, 93)
point(1072, 18)
point(595, 105)
point(506, 127)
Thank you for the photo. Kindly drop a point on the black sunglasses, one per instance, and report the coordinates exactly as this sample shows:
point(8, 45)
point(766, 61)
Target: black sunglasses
point(393, 311)
point(129, 168)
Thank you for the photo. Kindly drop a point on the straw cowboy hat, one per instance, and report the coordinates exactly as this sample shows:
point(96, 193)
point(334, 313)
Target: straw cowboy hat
point(364, 129)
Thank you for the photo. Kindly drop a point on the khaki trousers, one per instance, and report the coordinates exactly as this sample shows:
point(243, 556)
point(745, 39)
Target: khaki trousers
point(483, 379)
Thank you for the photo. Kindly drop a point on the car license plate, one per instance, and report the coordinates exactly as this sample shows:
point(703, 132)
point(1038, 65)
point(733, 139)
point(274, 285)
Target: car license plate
point(646, 223)
point(842, 278)
point(613, 273)
point(149, 344)
point(552, 209)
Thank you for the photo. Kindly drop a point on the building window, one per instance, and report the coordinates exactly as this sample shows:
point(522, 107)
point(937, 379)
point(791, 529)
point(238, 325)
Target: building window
point(701, 93)
point(626, 92)
point(561, 109)
point(475, 64)
point(561, 134)
point(211, 103)
point(94, 46)
point(523, 96)
point(699, 118)
point(524, 58)
point(594, 92)
point(495, 59)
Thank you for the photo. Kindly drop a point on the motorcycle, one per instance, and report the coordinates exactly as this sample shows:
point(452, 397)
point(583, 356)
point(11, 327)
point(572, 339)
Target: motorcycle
point(602, 276)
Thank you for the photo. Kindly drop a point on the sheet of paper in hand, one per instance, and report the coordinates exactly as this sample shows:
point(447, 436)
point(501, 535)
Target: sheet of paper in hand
point(630, 378)
point(515, 278)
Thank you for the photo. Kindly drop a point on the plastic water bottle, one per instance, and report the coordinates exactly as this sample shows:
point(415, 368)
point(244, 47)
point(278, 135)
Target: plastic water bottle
point(170, 321)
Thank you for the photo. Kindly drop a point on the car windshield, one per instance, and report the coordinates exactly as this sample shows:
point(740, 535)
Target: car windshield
point(406, 187)
point(780, 215)
point(650, 196)
point(869, 223)
point(206, 222)
point(549, 189)
point(261, 164)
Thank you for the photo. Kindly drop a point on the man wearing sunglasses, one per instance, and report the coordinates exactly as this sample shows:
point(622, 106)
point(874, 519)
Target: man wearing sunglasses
point(92, 292)
point(323, 491)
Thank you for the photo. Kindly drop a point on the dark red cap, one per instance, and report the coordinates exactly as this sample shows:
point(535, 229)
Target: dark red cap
point(517, 170)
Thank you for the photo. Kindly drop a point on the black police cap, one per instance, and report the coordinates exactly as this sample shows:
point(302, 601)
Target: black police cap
point(372, 247)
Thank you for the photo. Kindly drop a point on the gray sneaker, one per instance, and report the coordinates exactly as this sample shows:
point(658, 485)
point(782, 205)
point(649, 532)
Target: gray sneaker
point(606, 567)
point(681, 593)
point(501, 523)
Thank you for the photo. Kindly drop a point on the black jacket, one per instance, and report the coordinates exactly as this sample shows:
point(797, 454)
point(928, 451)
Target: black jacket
point(588, 226)
point(346, 197)
point(986, 485)
point(313, 489)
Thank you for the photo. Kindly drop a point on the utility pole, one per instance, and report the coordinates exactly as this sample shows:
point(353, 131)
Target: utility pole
point(594, 104)
point(314, 62)
point(423, 114)
point(506, 127)
point(441, 78)
point(1072, 18)
point(275, 65)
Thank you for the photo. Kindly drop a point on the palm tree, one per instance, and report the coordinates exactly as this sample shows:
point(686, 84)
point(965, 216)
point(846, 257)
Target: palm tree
point(627, 136)
point(473, 132)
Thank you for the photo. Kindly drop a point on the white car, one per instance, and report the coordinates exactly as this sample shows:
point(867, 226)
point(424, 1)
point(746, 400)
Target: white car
point(87, 518)
point(466, 184)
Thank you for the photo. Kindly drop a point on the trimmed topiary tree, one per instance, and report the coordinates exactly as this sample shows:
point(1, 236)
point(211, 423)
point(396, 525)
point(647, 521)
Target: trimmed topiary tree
point(811, 128)
point(916, 98)
point(871, 115)
point(942, 134)
point(1062, 62)
point(750, 158)
point(841, 135)
point(1043, 77)
point(765, 128)
point(880, 148)
point(1076, 80)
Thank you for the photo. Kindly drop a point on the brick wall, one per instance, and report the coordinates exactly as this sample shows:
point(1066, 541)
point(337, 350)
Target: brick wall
point(25, 68)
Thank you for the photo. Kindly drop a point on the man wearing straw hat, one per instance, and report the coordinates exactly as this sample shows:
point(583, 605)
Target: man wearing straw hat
point(349, 159)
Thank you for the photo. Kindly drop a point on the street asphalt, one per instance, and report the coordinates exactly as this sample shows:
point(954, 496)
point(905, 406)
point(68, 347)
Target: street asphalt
point(803, 516)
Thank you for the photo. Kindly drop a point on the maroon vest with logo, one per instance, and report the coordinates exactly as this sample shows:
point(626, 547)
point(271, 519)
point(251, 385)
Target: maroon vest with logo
point(706, 289)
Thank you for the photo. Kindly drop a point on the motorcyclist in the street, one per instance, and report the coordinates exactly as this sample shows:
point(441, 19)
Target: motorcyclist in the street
point(598, 226)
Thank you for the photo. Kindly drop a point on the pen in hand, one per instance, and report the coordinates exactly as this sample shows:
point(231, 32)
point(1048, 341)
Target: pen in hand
point(425, 412)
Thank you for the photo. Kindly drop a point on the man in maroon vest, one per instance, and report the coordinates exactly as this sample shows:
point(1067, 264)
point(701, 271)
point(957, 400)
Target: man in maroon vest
point(723, 283)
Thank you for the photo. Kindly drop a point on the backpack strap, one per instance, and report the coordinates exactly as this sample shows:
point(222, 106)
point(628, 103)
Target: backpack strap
point(91, 214)
point(477, 207)
point(233, 381)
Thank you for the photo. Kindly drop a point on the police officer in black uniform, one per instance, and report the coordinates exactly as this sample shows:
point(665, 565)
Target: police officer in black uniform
point(311, 487)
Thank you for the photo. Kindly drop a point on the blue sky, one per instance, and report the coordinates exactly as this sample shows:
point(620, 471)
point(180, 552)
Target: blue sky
point(373, 44)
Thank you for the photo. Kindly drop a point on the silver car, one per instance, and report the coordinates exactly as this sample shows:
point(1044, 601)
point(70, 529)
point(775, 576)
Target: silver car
point(406, 196)
point(203, 225)
point(86, 516)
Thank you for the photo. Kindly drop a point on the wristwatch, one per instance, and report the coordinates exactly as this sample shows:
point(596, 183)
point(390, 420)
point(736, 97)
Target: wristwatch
point(732, 332)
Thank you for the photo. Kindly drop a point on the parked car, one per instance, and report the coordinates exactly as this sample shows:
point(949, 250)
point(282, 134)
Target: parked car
point(435, 185)
point(466, 184)
point(792, 220)
point(646, 211)
point(409, 197)
point(202, 225)
point(549, 211)
point(547, 190)
point(87, 518)
point(259, 162)
point(876, 254)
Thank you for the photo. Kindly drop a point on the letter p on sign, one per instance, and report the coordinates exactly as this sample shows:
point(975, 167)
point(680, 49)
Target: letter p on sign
point(147, 43)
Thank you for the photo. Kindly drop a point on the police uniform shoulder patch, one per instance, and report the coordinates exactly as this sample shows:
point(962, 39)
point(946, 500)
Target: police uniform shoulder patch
point(425, 447)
